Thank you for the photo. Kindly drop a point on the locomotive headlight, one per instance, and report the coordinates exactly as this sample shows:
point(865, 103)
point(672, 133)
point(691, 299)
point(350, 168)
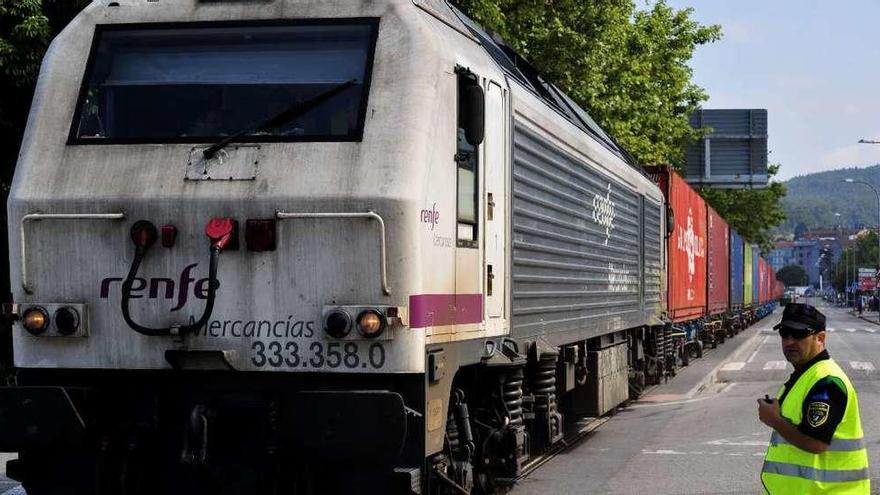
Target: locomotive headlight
point(67, 320)
point(370, 323)
point(337, 323)
point(35, 320)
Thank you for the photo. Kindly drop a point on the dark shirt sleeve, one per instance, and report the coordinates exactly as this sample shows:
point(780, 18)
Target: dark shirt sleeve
point(823, 409)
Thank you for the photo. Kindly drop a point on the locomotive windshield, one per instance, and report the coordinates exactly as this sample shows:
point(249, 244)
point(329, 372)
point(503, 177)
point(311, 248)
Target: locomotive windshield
point(200, 84)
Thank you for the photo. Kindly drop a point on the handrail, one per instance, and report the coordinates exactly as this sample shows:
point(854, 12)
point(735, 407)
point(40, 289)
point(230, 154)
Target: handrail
point(369, 215)
point(31, 217)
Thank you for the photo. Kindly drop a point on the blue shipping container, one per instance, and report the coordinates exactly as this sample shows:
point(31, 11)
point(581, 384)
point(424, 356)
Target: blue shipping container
point(736, 271)
point(756, 275)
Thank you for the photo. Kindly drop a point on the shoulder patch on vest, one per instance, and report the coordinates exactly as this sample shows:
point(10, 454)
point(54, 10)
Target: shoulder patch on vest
point(817, 413)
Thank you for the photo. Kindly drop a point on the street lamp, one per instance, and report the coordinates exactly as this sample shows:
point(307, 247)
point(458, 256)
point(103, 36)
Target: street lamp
point(835, 267)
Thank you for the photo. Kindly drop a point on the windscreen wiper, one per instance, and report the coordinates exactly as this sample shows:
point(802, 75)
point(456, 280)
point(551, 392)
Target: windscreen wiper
point(292, 112)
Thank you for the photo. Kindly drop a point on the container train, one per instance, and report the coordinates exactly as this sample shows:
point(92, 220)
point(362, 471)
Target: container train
point(287, 246)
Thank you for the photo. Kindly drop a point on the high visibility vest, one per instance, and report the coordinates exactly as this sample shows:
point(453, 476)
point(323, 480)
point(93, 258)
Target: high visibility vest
point(842, 469)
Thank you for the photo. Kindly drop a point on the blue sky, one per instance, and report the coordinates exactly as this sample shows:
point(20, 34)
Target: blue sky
point(814, 65)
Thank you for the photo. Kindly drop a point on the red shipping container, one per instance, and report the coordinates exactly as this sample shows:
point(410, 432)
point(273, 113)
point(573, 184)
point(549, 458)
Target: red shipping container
point(764, 281)
point(686, 247)
point(718, 263)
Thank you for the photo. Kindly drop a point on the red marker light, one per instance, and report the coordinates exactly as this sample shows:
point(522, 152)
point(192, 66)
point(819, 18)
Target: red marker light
point(223, 233)
point(169, 235)
point(259, 235)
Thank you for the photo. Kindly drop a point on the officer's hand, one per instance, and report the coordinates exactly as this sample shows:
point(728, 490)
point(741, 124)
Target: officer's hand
point(768, 412)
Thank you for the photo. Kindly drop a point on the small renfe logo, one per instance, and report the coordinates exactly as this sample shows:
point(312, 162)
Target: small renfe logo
point(431, 216)
point(603, 212)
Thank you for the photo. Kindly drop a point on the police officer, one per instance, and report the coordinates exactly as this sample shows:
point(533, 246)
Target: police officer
point(816, 445)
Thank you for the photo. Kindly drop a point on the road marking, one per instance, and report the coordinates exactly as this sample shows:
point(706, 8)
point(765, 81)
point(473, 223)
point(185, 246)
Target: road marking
point(775, 365)
point(830, 329)
point(869, 330)
point(749, 360)
point(746, 443)
point(733, 366)
point(850, 330)
point(862, 365)
point(696, 452)
point(686, 401)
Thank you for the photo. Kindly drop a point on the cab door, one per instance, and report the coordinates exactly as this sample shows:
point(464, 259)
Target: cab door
point(496, 151)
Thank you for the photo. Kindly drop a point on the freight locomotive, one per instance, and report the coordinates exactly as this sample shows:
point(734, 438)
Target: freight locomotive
point(290, 246)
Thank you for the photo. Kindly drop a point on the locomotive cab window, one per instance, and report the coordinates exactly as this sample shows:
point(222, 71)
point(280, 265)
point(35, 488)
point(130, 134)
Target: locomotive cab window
point(194, 83)
point(469, 136)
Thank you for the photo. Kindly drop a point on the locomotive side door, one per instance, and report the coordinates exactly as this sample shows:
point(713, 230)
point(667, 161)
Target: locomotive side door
point(496, 149)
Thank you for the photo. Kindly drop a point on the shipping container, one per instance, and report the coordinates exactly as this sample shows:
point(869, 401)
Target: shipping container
point(736, 271)
point(718, 263)
point(748, 274)
point(686, 247)
point(762, 281)
point(771, 273)
point(756, 274)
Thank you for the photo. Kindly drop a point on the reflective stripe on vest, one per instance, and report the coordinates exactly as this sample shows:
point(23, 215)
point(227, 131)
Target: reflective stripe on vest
point(813, 474)
point(837, 444)
point(840, 469)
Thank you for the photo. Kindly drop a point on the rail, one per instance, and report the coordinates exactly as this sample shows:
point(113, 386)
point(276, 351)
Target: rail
point(32, 217)
point(368, 215)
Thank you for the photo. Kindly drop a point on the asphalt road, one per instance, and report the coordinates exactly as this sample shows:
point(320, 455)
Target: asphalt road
point(710, 441)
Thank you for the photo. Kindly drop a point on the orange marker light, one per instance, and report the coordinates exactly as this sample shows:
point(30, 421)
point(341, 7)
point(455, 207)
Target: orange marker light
point(370, 323)
point(35, 320)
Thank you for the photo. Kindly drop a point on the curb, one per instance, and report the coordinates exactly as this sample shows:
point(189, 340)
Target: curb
point(712, 376)
point(737, 355)
point(874, 321)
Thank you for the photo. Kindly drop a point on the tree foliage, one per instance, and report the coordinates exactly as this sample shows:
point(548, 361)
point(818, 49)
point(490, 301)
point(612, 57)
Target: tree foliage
point(863, 254)
point(752, 212)
point(793, 275)
point(24, 33)
point(627, 67)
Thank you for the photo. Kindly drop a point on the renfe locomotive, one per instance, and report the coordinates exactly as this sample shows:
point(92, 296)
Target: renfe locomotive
point(289, 246)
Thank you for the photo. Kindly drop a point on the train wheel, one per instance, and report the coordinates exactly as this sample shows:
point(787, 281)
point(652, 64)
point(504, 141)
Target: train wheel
point(697, 350)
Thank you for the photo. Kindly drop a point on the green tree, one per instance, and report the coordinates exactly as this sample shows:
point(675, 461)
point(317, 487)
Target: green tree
point(863, 254)
point(752, 212)
point(24, 35)
point(628, 67)
point(792, 275)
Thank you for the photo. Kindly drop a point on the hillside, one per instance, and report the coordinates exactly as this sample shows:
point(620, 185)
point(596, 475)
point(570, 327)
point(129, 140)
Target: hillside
point(814, 199)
